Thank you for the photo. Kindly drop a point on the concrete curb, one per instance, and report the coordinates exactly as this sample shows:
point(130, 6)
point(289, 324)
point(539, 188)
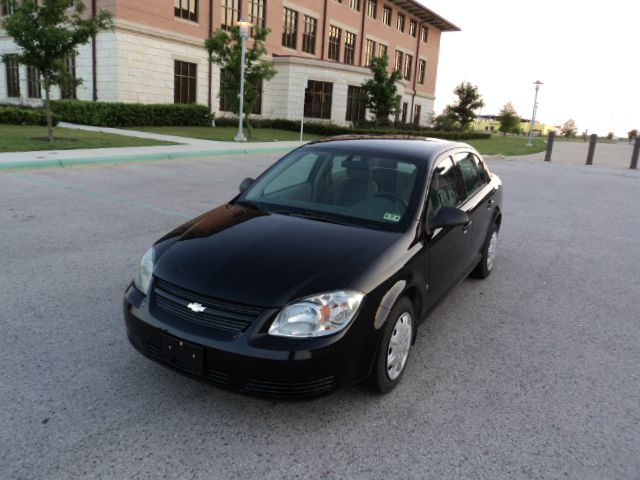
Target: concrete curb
point(119, 159)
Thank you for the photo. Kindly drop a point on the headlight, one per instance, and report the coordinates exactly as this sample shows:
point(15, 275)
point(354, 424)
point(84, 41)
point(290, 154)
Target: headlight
point(317, 316)
point(145, 269)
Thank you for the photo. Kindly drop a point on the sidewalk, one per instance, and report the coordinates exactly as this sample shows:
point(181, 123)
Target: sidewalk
point(188, 148)
point(137, 134)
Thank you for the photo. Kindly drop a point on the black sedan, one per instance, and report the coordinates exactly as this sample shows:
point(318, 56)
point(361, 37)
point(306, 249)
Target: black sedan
point(318, 273)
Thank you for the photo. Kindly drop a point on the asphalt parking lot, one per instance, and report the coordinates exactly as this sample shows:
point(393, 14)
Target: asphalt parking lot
point(532, 373)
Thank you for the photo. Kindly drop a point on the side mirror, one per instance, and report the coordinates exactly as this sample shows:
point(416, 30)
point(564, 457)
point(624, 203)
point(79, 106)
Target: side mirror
point(449, 217)
point(245, 184)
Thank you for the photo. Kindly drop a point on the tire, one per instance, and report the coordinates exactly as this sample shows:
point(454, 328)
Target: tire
point(489, 252)
point(387, 373)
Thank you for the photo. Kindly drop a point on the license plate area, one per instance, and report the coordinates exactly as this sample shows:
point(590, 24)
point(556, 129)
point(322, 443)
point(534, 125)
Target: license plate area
point(183, 355)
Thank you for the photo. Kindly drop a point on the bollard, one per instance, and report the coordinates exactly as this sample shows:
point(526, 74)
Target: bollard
point(550, 138)
point(634, 155)
point(592, 148)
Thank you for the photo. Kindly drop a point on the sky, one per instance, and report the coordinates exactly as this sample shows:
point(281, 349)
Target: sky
point(585, 52)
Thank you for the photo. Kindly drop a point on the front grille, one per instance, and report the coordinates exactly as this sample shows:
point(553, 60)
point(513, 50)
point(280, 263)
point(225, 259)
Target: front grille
point(219, 314)
point(288, 389)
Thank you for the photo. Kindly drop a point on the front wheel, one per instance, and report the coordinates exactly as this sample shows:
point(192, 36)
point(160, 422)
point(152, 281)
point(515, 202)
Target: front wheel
point(393, 352)
point(486, 264)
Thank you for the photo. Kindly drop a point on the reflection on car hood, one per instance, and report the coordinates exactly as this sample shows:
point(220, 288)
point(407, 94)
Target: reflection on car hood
point(256, 258)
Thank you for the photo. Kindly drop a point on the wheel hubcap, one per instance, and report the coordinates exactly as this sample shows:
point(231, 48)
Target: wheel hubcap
point(399, 345)
point(492, 250)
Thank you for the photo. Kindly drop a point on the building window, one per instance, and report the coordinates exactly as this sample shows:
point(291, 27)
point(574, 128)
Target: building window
point(187, 9)
point(33, 82)
point(290, 29)
point(400, 22)
point(417, 111)
point(13, 75)
point(369, 52)
point(309, 35)
point(399, 60)
point(424, 34)
point(317, 99)
point(257, 107)
point(349, 48)
point(371, 8)
point(356, 105)
point(68, 91)
point(230, 13)
point(226, 105)
point(257, 13)
point(406, 68)
point(405, 109)
point(184, 81)
point(386, 16)
point(354, 5)
point(383, 50)
point(422, 71)
point(6, 7)
point(335, 35)
point(413, 28)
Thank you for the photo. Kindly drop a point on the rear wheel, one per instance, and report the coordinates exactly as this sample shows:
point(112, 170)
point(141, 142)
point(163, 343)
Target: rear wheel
point(393, 353)
point(486, 264)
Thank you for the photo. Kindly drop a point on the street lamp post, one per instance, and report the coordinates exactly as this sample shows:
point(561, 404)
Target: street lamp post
point(537, 83)
point(244, 34)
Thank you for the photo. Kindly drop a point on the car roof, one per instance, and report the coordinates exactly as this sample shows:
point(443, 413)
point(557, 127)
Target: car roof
point(417, 148)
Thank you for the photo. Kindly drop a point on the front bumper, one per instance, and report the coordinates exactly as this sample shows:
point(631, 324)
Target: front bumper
point(253, 362)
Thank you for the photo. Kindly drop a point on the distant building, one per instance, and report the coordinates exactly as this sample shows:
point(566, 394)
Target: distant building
point(491, 123)
point(320, 48)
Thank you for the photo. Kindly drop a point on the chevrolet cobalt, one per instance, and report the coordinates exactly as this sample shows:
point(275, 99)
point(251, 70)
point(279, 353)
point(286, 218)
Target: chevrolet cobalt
point(318, 273)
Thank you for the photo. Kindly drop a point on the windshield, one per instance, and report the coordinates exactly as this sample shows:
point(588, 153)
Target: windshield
point(377, 191)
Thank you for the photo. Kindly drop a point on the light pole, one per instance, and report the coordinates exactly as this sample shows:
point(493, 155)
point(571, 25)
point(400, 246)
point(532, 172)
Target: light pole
point(244, 34)
point(537, 83)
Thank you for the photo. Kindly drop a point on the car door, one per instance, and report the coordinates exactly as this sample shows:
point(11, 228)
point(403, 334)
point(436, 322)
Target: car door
point(449, 248)
point(478, 200)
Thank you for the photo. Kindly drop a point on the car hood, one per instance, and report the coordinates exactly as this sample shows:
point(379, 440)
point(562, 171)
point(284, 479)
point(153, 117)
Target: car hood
point(257, 258)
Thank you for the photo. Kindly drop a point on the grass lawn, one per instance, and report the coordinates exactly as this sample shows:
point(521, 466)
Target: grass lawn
point(22, 138)
point(227, 134)
point(508, 146)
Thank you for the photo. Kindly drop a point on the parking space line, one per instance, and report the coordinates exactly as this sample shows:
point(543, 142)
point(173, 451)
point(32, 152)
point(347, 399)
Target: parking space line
point(98, 195)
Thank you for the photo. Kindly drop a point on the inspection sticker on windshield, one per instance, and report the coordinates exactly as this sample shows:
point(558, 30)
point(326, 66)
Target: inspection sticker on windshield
point(392, 217)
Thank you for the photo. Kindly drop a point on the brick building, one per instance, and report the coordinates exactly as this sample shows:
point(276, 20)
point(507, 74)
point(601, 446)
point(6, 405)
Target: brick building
point(320, 48)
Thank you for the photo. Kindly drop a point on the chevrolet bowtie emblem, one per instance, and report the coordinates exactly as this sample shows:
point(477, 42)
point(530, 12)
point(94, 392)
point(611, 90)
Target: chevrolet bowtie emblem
point(196, 307)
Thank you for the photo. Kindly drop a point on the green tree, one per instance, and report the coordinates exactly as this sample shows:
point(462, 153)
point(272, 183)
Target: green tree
point(469, 100)
point(509, 119)
point(447, 120)
point(225, 50)
point(48, 31)
point(632, 134)
point(569, 129)
point(381, 92)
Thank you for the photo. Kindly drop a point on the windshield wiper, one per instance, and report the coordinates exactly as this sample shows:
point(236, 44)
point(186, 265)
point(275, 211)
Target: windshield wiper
point(321, 217)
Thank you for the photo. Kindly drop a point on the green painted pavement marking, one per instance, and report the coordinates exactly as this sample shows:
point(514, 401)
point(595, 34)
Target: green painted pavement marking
point(98, 195)
point(117, 159)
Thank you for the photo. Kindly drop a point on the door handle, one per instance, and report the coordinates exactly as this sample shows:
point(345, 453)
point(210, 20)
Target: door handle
point(465, 229)
point(490, 203)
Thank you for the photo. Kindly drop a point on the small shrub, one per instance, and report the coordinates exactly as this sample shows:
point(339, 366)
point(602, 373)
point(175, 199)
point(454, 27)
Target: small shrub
point(106, 114)
point(24, 116)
